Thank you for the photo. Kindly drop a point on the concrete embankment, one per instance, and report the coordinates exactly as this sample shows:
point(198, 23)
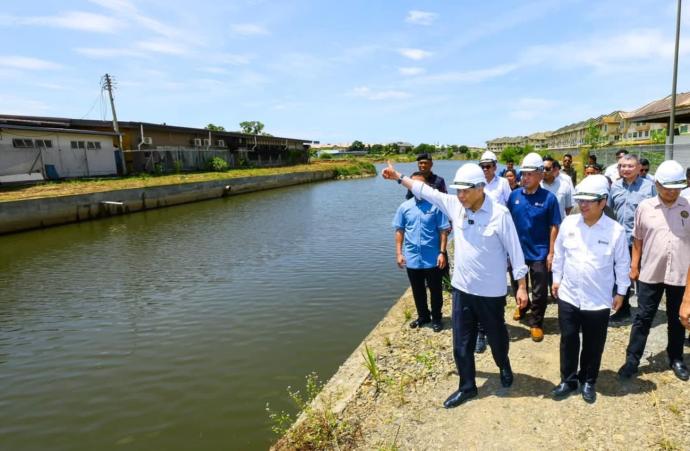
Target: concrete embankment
point(28, 214)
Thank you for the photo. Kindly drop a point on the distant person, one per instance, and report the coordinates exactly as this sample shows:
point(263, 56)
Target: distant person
point(421, 237)
point(592, 169)
point(424, 164)
point(511, 176)
point(613, 171)
point(644, 170)
point(557, 186)
point(660, 260)
point(496, 187)
point(564, 177)
point(510, 166)
point(626, 194)
point(592, 159)
point(568, 168)
point(590, 249)
point(484, 234)
point(686, 192)
point(536, 215)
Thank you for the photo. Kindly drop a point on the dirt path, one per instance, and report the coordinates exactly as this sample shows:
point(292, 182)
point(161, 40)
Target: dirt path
point(418, 373)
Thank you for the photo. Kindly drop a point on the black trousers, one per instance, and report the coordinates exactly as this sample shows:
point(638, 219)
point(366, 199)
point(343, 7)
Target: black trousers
point(537, 280)
point(468, 311)
point(593, 324)
point(419, 280)
point(648, 299)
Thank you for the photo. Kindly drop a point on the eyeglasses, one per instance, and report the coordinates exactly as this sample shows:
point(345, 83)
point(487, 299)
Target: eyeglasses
point(548, 169)
point(644, 170)
point(486, 166)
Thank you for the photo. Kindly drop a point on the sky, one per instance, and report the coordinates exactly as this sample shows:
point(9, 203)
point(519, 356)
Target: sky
point(440, 72)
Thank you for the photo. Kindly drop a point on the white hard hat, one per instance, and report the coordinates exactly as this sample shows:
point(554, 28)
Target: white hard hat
point(468, 176)
point(592, 187)
point(670, 174)
point(532, 162)
point(488, 157)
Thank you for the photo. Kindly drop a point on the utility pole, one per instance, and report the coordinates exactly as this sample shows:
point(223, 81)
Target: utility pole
point(107, 84)
point(672, 120)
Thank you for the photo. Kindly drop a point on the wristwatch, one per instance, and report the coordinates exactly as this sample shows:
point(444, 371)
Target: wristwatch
point(400, 179)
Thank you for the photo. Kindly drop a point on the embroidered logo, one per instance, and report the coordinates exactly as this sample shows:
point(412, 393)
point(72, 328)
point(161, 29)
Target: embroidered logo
point(684, 214)
point(517, 201)
point(602, 242)
point(538, 204)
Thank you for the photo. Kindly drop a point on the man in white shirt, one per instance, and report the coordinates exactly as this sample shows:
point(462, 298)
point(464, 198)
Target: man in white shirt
point(560, 188)
point(612, 172)
point(483, 234)
point(496, 187)
point(590, 248)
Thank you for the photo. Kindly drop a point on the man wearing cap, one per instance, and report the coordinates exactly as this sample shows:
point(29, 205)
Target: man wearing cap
point(613, 171)
point(568, 168)
point(589, 250)
point(484, 234)
point(626, 194)
point(421, 234)
point(424, 164)
point(536, 214)
point(496, 187)
point(660, 260)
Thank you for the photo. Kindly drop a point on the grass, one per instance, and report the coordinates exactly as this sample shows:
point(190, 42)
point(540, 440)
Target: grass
point(84, 186)
point(370, 363)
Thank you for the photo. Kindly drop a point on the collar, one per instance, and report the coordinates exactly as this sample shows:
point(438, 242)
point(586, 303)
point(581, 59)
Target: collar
point(637, 181)
point(600, 222)
point(681, 202)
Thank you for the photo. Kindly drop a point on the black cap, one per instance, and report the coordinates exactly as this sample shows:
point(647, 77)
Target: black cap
point(424, 156)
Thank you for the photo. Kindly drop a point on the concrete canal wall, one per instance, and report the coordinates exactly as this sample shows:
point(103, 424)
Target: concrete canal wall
point(29, 214)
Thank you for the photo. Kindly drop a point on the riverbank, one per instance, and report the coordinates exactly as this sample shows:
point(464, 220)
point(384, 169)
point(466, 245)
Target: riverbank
point(398, 404)
point(74, 201)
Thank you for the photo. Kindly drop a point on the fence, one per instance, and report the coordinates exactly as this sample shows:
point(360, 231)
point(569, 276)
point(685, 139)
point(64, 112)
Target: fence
point(654, 153)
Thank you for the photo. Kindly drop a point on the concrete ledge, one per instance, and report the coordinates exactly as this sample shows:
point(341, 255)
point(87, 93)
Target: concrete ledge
point(29, 214)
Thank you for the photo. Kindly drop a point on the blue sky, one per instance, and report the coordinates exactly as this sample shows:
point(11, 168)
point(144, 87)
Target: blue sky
point(447, 72)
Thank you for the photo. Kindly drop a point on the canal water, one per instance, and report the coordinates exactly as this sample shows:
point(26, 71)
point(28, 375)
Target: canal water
point(171, 329)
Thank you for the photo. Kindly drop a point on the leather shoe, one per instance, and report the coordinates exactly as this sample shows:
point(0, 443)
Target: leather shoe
point(437, 326)
point(680, 370)
point(459, 397)
point(589, 394)
point(506, 375)
point(537, 334)
point(480, 346)
point(419, 322)
point(627, 371)
point(563, 389)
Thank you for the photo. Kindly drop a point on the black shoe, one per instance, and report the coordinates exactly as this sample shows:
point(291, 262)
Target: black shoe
point(419, 322)
point(480, 346)
point(589, 394)
point(627, 371)
point(506, 375)
point(621, 317)
point(459, 397)
point(437, 326)
point(563, 389)
point(680, 370)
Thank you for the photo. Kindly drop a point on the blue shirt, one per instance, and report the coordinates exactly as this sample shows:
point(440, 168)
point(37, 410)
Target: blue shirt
point(533, 215)
point(421, 222)
point(624, 199)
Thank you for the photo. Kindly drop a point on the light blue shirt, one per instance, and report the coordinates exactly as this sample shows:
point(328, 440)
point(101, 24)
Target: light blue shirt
point(422, 223)
point(625, 198)
point(482, 239)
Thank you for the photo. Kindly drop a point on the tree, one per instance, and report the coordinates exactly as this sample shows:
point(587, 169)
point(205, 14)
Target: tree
point(215, 128)
point(252, 127)
point(357, 145)
point(658, 136)
point(377, 149)
point(592, 135)
point(463, 149)
point(422, 148)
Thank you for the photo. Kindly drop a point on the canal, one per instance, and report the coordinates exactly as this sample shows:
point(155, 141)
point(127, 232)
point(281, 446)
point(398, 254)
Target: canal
point(172, 328)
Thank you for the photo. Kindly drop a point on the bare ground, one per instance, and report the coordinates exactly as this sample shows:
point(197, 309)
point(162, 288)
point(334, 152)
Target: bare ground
point(418, 373)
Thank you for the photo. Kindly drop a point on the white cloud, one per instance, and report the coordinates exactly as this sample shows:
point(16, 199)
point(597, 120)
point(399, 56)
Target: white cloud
point(165, 47)
point(102, 52)
point(414, 54)
point(411, 71)
point(421, 17)
point(76, 20)
point(248, 29)
point(231, 59)
point(470, 76)
point(528, 108)
point(12, 104)
point(367, 93)
point(27, 63)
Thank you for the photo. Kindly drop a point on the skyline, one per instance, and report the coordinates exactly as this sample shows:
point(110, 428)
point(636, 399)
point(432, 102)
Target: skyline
point(421, 71)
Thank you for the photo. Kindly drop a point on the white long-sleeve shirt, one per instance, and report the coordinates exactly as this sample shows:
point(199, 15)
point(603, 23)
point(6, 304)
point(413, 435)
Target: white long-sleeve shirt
point(498, 189)
point(586, 259)
point(482, 239)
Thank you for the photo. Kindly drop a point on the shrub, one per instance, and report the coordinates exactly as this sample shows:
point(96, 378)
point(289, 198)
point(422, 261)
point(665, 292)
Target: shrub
point(217, 164)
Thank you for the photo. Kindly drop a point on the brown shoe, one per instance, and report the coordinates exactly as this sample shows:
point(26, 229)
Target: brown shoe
point(537, 333)
point(517, 314)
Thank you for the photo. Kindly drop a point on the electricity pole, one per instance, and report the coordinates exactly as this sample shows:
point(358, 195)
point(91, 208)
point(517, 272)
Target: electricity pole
point(107, 84)
point(672, 120)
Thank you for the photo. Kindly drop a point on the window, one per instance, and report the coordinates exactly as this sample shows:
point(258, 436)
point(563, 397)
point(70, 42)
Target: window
point(90, 145)
point(22, 143)
point(45, 143)
point(98, 145)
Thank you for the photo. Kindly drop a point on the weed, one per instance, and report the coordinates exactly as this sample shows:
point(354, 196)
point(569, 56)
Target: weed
point(426, 359)
point(387, 342)
point(674, 409)
point(178, 166)
point(668, 445)
point(217, 164)
point(372, 366)
point(408, 314)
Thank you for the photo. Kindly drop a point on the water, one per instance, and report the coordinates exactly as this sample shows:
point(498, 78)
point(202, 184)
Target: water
point(171, 329)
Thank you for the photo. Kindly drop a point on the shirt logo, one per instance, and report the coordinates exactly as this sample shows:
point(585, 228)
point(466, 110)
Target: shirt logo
point(538, 204)
point(517, 201)
point(684, 214)
point(602, 242)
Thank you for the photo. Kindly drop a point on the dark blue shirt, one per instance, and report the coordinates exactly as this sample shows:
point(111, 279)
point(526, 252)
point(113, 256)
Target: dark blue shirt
point(533, 215)
point(435, 181)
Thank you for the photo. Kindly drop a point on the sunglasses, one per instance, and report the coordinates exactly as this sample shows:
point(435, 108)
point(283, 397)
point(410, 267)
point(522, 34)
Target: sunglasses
point(486, 166)
point(547, 169)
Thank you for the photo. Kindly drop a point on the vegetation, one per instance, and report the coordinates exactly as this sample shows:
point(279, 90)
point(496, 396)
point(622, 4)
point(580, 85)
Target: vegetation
point(658, 136)
point(356, 168)
point(252, 127)
point(372, 366)
point(215, 128)
point(593, 135)
point(217, 164)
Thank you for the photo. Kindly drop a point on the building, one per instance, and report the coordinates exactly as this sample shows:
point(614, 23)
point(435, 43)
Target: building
point(149, 147)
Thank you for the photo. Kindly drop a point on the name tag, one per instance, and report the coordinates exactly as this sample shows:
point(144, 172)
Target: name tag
point(603, 242)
